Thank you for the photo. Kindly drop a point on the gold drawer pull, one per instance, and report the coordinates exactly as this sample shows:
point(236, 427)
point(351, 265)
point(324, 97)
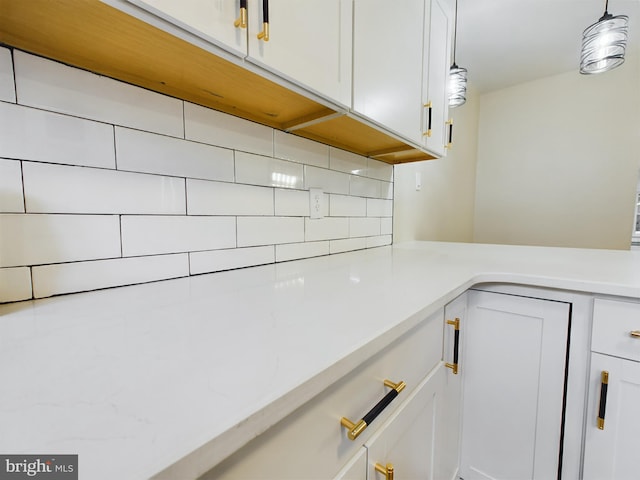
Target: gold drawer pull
point(386, 470)
point(635, 333)
point(456, 342)
point(241, 21)
point(604, 387)
point(264, 34)
point(355, 429)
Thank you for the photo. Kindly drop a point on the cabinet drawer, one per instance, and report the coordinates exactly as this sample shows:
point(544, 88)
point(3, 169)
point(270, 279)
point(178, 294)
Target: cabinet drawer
point(613, 324)
point(310, 443)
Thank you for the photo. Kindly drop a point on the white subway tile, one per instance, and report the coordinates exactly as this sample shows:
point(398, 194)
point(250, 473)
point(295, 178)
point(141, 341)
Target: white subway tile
point(42, 239)
point(346, 206)
point(7, 87)
point(297, 149)
point(63, 189)
point(327, 228)
point(379, 170)
point(139, 151)
point(364, 187)
point(294, 251)
point(259, 170)
point(53, 86)
point(11, 199)
point(15, 284)
point(82, 276)
point(327, 180)
point(295, 203)
point(347, 162)
point(148, 235)
point(386, 226)
point(217, 128)
point(364, 227)
point(253, 231)
point(347, 245)
point(217, 198)
point(31, 134)
point(386, 190)
point(378, 241)
point(217, 260)
point(379, 208)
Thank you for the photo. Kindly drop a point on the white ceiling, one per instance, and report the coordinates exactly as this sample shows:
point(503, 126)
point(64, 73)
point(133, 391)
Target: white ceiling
point(506, 42)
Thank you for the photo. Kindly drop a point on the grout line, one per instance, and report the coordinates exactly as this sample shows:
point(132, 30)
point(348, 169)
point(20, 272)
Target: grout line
point(186, 198)
point(120, 225)
point(15, 80)
point(33, 291)
point(24, 195)
point(115, 147)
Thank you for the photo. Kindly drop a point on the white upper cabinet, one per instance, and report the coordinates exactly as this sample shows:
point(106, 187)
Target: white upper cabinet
point(212, 20)
point(388, 55)
point(309, 43)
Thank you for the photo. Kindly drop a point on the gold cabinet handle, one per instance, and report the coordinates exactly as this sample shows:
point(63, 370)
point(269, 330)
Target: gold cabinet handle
point(604, 386)
point(386, 470)
point(241, 21)
point(264, 34)
point(635, 333)
point(456, 342)
point(355, 429)
point(450, 141)
point(429, 107)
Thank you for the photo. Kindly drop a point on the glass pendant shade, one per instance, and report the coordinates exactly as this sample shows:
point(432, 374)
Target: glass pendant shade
point(457, 86)
point(604, 44)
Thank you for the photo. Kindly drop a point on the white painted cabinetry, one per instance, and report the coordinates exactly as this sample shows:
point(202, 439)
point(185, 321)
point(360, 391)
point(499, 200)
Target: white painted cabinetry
point(513, 352)
point(612, 432)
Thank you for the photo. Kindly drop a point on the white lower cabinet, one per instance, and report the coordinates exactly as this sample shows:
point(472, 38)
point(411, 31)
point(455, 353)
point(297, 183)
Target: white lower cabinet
point(513, 362)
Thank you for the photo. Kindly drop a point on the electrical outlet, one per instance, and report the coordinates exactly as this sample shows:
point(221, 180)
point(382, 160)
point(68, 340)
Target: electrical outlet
point(316, 203)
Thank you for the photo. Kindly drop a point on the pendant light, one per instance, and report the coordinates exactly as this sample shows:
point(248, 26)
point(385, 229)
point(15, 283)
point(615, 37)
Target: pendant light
point(604, 43)
point(457, 75)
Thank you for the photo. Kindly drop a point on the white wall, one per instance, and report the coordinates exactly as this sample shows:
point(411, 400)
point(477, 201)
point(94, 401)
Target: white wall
point(105, 184)
point(558, 160)
point(443, 209)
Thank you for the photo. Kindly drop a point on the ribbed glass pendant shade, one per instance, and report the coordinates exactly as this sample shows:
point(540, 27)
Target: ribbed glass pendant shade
point(457, 86)
point(604, 44)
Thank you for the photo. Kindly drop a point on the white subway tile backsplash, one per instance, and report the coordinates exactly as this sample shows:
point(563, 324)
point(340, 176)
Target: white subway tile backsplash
point(379, 208)
point(139, 151)
point(346, 206)
point(364, 227)
point(254, 231)
point(62, 278)
point(149, 235)
point(386, 226)
point(7, 86)
point(217, 260)
point(364, 187)
point(63, 189)
point(53, 86)
point(378, 241)
point(347, 245)
point(31, 134)
point(217, 128)
point(379, 170)
point(297, 149)
point(217, 198)
point(295, 251)
point(327, 180)
point(258, 170)
point(347, 162)
point(386, 190)
point(42, 239)
point(294, 203)
point(11, 199)
point(15, 284)
point(327, 228)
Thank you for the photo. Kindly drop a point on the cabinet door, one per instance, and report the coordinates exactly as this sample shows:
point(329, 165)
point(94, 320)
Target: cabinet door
point(388, 59)
point(309, 43)
point(612, 453)
point(514, 351)
point(356, 468)
point(213, 21)
point(435, 87)
point(408, 440)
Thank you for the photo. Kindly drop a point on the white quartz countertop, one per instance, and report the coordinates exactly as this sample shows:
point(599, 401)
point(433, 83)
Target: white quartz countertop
point(166, 379)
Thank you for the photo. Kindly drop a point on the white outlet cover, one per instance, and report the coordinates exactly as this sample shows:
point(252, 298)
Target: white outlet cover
point(316, 203)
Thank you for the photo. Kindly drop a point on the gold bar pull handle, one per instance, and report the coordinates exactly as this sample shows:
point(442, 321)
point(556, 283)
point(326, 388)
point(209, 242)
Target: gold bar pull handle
point(456, 345)
point(450, 140)
point(386, 470)
point(241, 21)
point(429, 107)
point(604, 386)
point(264, 34)
point(635, 333)
point(356, 428)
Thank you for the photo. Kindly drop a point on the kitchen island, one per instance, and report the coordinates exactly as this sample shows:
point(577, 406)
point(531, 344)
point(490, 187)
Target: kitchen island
point(166, 379)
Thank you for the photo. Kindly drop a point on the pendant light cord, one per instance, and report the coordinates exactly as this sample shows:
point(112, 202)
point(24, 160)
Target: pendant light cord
point(455, 33)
